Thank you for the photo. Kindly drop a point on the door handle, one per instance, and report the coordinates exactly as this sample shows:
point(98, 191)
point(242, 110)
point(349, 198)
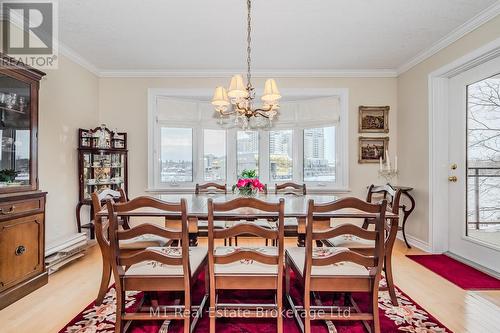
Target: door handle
point(452, 179)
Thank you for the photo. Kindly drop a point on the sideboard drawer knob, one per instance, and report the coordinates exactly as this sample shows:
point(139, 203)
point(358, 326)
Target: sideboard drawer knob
point(20, 250)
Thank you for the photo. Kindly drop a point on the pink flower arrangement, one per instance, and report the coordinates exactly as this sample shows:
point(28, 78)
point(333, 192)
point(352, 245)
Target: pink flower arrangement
point(248, 184)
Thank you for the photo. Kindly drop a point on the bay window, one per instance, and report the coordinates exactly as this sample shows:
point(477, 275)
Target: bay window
point(304, 146)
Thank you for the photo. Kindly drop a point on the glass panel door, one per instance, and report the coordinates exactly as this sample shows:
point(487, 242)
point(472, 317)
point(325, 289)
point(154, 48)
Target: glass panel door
point(483, 160)
point(15, 134)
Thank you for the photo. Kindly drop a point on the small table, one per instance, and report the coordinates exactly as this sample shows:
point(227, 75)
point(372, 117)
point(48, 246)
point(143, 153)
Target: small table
point(405, 190)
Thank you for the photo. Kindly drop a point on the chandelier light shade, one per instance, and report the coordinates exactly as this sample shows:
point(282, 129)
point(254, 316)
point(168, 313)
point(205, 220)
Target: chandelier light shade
point(271, 92)
point(220, 98)
point(236, 88)
point(237, 101)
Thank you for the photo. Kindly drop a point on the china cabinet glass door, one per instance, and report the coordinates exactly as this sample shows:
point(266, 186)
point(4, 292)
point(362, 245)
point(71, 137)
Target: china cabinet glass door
point(100, 171)
point(15, 132)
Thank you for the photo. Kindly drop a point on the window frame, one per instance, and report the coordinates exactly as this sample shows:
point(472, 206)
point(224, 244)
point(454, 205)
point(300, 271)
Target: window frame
point(341, 145)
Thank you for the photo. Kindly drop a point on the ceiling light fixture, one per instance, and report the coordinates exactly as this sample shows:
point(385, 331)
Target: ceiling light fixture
point(237, 101)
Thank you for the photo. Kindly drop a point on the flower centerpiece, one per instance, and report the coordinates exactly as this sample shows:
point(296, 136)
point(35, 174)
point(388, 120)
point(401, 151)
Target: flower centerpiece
point(248, 183)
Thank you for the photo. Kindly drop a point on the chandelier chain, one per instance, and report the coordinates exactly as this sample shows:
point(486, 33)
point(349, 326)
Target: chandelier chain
point(249, 41)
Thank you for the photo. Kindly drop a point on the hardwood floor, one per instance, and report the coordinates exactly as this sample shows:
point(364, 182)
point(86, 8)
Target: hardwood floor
point(72, 288)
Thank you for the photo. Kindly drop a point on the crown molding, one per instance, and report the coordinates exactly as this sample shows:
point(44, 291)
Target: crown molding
point(319, 73)
point(472, 24)
point(78, 59)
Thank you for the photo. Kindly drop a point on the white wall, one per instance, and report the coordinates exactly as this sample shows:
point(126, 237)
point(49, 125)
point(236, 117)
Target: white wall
point(68, 101)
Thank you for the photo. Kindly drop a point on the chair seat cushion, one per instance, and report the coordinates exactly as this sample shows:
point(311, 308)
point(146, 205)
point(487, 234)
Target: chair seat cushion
point(197, 255)
point(142, 242)
point(246, 266)
point(297, 257)
point(351, 242)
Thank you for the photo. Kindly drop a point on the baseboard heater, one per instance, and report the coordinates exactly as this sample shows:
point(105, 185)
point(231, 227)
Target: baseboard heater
point(66, 251)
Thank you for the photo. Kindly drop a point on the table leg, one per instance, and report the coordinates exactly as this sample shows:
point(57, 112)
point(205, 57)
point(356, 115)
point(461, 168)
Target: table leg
point(301, 240)
point(406, 214)
point(193, 239)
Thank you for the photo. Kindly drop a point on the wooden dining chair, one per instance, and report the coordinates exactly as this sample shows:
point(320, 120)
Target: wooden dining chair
point(391, 229)
point(290, 188)
point(335, 269)
point(262, 223)
point(246, 268)
point(101, 226)
point(210, 188)
point(155, 269)
point(293, 189)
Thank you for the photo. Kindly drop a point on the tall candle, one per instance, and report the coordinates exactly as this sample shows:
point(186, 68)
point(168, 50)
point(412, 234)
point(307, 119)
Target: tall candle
point(380, 163)
point(388, 160)
point(396, 163)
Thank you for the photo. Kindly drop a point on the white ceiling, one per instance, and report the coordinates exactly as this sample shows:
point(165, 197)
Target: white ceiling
point(306, 35)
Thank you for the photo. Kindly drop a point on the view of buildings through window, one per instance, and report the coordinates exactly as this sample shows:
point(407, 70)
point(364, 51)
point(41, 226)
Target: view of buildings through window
point(319, 154)
point(176, 159)
point(176, 155)
point(280, 155)
point(247, 151)
point(214, 155)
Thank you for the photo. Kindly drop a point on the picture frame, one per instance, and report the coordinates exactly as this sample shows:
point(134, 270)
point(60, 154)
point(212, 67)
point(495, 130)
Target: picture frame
point(372, 148)
point(373, 119)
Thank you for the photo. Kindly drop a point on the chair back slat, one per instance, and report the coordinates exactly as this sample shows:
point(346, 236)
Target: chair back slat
point(290, 188)
point(347, 203)
point(147, 202)
point(246, 228)
point(345, 229)
point(150, 229)
point(149, 255)
point(347, 255)
point(210, 187)
point(245, 203)
point(369, 260)
point(246, 254)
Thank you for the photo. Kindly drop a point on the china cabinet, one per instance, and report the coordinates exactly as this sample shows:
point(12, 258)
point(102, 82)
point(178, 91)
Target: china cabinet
point(102, 163)
point(22, 204)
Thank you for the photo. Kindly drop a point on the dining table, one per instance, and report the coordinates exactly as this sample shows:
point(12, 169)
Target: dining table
point(295, 207)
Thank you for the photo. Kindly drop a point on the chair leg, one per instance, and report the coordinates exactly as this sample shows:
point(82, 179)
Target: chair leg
point(376, 319)
point(106, 276)
point(235, 240)
point(307, 314)
point(212, 312)
point(187, 323)
point(389, 279)
point(120, 309)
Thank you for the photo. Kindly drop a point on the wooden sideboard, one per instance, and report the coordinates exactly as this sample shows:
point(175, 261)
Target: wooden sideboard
point(22, 250)
point(22, 205)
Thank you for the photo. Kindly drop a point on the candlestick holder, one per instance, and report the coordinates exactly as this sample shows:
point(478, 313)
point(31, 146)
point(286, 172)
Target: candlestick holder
point(388, 174)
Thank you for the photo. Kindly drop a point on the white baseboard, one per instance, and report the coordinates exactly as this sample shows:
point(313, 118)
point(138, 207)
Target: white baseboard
point(415, 242)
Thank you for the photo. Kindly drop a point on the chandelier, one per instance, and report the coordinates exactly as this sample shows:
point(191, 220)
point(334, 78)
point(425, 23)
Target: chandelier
point(238, 101)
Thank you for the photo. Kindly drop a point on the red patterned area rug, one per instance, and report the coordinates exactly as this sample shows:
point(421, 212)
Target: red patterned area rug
point(407, 317)
point(460, 274)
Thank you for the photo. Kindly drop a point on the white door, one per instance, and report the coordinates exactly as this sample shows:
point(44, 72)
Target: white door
point(474, 164)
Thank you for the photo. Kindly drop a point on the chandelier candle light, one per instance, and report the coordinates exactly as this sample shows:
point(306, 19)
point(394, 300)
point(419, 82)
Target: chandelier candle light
point(237, 101)
point(386, 170)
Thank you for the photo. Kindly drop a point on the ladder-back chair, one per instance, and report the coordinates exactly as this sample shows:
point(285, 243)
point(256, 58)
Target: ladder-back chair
point(330, 269)
point(155, 268)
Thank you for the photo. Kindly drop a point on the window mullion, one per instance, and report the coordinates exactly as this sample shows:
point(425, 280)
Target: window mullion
point(264, 157)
